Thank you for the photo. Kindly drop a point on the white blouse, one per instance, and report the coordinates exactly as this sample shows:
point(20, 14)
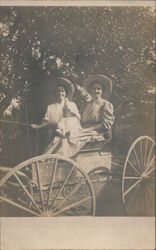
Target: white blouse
point(54, 112)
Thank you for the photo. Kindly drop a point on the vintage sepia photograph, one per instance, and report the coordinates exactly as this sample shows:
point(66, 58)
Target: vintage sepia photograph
point(77, 104)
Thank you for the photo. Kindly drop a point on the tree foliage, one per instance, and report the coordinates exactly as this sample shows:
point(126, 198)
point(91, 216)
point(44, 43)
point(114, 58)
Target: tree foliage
point(74, 42)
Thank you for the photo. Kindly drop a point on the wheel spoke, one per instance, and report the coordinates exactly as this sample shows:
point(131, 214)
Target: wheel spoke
point(140, 200)
point(18, 206)
point(136, 158)
point(146, 200)
point(142, 203)
point(52, 182)
point(149, 156)
point(137, 172)
point(132, 187)
point(149, 193)
point(145, 153)
point(132, 178)
point(150, 171)
point(62, 187)
point(149, 165)
point(72, 205)
point(68, 196)
point(141, 156)
point(150, 186)
point(26, 192)
point(39, 185)
point(135, 192)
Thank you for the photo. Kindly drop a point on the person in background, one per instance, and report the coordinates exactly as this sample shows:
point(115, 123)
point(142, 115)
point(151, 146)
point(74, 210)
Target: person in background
point(15, 144)
point(13, 113)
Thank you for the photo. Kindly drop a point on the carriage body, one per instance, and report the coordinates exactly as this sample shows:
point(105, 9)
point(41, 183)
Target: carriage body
point(91, 160)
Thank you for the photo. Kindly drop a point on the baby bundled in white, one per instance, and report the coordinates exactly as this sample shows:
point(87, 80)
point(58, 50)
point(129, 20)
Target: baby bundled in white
point(69, 125)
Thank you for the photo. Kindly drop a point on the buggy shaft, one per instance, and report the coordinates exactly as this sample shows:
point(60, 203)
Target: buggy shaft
point(15, 123)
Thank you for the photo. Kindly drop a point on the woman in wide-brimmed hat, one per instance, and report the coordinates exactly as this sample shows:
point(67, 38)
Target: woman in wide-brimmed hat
point(58, 114)
point(97, 113)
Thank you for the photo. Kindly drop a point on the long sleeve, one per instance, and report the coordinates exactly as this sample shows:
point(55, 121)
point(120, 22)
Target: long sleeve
point(83, 94)
point(8, 113)
point(47, 114)
point(107, 116)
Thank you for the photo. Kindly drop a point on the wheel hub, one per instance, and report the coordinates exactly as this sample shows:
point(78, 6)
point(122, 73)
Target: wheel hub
point(47, 214)
point(144, 177)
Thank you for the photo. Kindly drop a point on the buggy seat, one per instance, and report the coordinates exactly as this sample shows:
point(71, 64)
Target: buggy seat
point(94, 142)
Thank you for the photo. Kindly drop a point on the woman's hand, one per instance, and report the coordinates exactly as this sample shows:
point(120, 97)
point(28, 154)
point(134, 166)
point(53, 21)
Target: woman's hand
point(77, 86)
point(35, 126)
point(44, 124)
point(59, 133)
point(66, 103)
point(66, 109)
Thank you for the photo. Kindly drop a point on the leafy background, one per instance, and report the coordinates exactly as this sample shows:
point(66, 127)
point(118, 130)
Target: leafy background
point(39, 43)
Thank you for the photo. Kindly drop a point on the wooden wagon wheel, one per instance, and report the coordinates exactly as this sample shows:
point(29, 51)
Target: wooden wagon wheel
point(138, 180)
point(50, 175)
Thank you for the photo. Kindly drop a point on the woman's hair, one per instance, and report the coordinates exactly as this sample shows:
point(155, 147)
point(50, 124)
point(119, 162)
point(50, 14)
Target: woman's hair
point(16, 96)
point(63, 86)
point(98, 82)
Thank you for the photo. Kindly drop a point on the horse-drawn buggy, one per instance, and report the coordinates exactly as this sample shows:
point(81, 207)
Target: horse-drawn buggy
point(58, 183)
point(55, 185)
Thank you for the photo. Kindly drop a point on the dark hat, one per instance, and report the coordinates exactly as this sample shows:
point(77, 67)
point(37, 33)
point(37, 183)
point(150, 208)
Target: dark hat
point(105, 82)
point(68, 86)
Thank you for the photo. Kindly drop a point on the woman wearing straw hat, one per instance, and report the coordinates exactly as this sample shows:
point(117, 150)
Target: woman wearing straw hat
point(97, 113)
point(62, 116)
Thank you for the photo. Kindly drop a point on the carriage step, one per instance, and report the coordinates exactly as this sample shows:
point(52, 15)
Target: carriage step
point(111, 172)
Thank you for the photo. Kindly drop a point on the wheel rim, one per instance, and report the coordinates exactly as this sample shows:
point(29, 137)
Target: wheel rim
point(1, 140)
point(42, 194)
point(138, 180)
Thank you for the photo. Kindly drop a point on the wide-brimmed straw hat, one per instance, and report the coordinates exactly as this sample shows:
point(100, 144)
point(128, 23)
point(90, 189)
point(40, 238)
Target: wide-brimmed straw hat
point(105, 82)
point(68, 86)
